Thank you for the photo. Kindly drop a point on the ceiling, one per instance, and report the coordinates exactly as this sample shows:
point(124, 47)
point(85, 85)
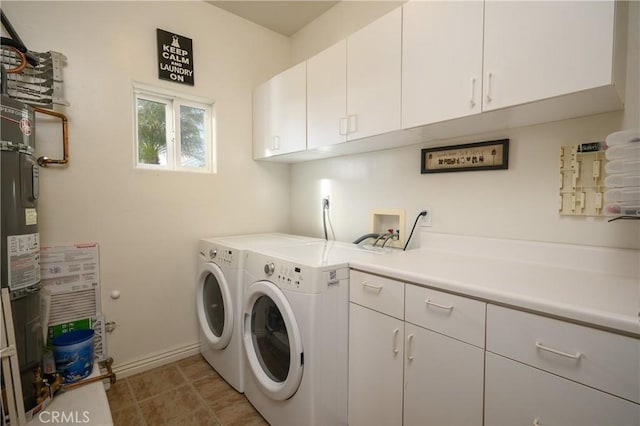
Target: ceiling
point(284, 17)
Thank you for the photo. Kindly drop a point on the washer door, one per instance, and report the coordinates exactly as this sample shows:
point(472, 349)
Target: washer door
point(272, 341)
point(214, 306)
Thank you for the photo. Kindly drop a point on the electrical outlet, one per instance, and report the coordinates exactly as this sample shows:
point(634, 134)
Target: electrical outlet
point(325, 202)
point(425, 221)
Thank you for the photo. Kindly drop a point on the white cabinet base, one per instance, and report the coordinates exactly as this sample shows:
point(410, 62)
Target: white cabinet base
point(516, 394)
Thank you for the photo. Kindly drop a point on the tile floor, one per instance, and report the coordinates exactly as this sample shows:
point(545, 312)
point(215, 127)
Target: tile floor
point(187, 392)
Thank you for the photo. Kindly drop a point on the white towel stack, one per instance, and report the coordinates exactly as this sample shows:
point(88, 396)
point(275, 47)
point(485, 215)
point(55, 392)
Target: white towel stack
point(623, 174)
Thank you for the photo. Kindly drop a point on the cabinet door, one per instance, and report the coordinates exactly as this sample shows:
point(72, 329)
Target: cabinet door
point(516, 394)
point(375, 367)
point(261, 121)
point(373, 77)
point(327, 96)
point(280, 114)
point(537, 50)
point(441, 61)
point(444, 379)
point(289, 109)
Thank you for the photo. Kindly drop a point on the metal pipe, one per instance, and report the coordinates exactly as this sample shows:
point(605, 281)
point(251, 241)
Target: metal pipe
point(46, 161)
point(365, 237)
point(32, 59)
point(109, 375)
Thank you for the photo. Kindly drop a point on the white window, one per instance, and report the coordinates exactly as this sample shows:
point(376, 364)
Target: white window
point(173, 132)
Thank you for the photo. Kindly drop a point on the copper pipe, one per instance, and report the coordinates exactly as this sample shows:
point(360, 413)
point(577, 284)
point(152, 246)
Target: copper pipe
point(109, 375)
point(46, 161)
point(23, 61)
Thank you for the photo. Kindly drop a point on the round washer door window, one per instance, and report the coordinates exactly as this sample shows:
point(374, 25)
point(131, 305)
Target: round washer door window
point(272, 341)
point(214, 306)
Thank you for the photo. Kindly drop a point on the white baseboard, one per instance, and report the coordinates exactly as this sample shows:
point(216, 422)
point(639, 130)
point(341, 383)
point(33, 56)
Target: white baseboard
point(155, 360)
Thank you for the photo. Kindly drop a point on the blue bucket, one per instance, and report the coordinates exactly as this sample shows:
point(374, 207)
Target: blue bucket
point(73, 353)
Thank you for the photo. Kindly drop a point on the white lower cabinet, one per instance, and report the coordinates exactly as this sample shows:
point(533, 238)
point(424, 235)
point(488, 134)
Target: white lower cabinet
point(517, 394)
point(402, 373)
point(419, 356)
point(443, 379)
point(376, 354)
point(545, 371)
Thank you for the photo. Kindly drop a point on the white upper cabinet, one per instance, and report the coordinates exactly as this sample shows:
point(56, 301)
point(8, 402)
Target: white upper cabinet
point(354, 86)
point(441, 61)
point(463, 58)
point(327, 96)
point(542, 49)
point(279, 114)
point(445, 69)
point(373, 77)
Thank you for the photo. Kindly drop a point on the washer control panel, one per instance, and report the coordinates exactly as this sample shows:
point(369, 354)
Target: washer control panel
point(288, 276)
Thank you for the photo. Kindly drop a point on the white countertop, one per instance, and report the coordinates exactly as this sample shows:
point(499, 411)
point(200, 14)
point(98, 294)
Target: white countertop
point(85, 404)
point(597, 297)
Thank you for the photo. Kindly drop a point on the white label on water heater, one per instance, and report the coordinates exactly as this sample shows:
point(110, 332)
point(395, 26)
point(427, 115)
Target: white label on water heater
point(30, 217)
point(23, 257)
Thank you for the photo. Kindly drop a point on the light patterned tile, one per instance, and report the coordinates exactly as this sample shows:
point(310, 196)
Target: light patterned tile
point(239, 412)
point(200, 417)
point(195, 367)
point(154, 382)
point(231, 407)
point(119, 395)
point(171, 406)
point(129, 416)
point(213, 388)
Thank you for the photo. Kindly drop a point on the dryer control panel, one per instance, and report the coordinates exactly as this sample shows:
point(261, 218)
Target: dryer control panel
point(220, 255)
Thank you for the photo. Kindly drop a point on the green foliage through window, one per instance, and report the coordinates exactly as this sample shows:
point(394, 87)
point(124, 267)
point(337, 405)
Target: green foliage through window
point(173, 133)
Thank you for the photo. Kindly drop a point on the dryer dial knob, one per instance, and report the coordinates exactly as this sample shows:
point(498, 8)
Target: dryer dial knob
point(213, 253)
point(269, 268)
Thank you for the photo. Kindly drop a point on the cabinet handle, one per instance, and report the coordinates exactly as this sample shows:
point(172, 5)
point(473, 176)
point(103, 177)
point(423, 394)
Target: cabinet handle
point(343, 125)
point(489, 78)
point(410, 347)
point(377, 288)
point(429, 302)
point(275, 143)
point(542, 347)
point(396, 332)
point(472, 100)
point(353, 123)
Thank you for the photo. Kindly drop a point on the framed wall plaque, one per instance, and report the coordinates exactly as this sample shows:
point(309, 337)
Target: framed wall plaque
point(175, 57)
point(491, 155)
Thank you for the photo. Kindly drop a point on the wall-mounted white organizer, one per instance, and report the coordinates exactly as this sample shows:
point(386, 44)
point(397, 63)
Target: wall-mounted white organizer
point(389, 221)
point(622, 196)
point(582, 173)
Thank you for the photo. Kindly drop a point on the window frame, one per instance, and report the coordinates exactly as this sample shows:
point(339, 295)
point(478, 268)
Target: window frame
point(173, 102)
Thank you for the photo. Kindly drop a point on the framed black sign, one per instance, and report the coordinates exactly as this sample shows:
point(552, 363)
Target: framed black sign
point(489, 155)
point(175, 58)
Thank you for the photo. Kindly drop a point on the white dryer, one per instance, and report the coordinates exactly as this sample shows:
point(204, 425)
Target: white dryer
point(219, 297)
point(296, 332)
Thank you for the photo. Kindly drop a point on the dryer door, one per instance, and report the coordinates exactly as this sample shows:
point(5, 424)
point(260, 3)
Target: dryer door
point(272, 341)
point(214, 306)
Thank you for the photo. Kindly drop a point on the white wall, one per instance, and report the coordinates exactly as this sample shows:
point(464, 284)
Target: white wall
point(519, 203)
point(148, 223)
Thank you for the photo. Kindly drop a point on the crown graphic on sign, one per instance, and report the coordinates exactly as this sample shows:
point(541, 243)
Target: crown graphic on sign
point(175, 42)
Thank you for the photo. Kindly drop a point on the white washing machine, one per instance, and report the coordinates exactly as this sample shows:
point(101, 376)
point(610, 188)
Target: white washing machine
point(296, 332)
point(219, 297)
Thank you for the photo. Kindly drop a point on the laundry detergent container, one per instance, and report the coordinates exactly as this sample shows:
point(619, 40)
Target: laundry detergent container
point(73, 353)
